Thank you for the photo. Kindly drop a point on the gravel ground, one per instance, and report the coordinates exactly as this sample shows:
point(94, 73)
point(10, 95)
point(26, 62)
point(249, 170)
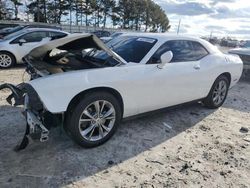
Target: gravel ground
point(189, 146)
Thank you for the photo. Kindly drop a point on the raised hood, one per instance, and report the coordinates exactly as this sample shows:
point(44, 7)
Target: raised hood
point(73, 42)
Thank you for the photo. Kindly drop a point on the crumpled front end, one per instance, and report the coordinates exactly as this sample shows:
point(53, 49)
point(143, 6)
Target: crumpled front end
point(38, 120)
point(17, 93)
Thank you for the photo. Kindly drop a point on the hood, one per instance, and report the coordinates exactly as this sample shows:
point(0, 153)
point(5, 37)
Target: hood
point(4, 32)
point(240, 51)
point(74, 42)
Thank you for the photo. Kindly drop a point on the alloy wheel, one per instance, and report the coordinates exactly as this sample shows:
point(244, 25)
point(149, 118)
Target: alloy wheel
point(97, 120)
point(219, 93)
point(5, 60)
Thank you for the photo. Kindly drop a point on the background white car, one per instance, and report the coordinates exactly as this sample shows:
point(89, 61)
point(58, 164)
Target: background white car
point(90, 92)
point(112, 36)
point(15, 46)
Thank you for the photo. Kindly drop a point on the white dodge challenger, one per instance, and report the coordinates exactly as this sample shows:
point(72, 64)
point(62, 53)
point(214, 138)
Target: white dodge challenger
point(88, 87)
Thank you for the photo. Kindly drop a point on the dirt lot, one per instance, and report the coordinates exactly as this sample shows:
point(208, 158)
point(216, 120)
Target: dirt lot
point(185, 147)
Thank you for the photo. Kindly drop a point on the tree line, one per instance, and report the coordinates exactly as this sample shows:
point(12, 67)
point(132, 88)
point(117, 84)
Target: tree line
point(125, 14)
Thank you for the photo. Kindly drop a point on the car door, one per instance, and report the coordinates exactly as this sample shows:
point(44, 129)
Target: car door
point(30, 41)
point(180, 81)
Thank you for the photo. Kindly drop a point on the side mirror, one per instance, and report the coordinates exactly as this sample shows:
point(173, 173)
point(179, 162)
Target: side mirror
point(21, 41)
point(165, 58)
point(46, 39)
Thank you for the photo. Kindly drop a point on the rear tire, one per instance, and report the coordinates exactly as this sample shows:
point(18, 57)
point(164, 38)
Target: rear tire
point(218, 93)
point(7, 60)
point(94, 120)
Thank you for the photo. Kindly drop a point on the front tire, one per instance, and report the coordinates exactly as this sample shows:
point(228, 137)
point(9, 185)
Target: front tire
point(7, 60)
point(218, 93)
point(94, 119)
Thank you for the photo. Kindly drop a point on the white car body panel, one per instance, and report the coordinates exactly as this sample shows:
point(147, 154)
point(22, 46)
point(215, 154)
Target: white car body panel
point(143, 87)
point(20, 51)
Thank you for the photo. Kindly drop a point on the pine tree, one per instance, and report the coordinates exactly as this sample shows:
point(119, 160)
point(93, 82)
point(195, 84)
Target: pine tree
point(16, 4)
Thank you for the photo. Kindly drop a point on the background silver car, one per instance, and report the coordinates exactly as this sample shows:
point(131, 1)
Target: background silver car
point(16, 45)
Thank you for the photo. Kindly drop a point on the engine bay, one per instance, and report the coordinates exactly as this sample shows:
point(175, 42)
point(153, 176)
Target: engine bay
point(58, 61)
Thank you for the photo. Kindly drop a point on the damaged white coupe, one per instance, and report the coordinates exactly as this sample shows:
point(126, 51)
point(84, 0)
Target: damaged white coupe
point(88, 87)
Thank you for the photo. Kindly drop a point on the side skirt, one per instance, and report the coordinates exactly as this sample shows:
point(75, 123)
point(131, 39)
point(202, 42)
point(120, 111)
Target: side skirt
point(161, 110)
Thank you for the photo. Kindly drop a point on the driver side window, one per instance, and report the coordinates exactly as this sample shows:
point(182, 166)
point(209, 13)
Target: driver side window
point(32, 37)
point(183, 51)
point(156, 58)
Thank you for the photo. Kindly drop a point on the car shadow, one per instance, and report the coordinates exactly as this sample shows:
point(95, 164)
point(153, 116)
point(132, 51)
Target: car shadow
point(59, 161)
point(16, 66)
point(19, 66)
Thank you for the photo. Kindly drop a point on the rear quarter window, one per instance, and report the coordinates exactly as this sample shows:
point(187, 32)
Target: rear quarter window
point(198, 50)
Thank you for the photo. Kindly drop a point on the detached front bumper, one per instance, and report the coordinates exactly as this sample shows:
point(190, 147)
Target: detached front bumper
point(17, 93)
point(24, 94)
point(34, 123)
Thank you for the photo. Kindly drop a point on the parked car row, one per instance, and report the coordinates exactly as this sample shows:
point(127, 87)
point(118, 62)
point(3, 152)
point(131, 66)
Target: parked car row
point(243, 52)
point(8, 30)
point(15, 46)
point(18, 41)
point(101, 33)
point(109, 38)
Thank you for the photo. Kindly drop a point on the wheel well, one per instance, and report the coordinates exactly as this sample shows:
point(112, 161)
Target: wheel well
point(10, 54)
point(228, 76)
point(112, 91)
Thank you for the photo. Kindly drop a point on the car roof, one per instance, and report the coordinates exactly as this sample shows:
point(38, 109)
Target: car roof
point(44, 29)
point(164, 37)
point(99, 31)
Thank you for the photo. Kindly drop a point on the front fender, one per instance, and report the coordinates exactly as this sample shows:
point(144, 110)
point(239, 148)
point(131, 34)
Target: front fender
point(56, 91)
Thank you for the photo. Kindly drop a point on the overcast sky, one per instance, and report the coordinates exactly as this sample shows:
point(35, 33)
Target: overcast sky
point(222, 17)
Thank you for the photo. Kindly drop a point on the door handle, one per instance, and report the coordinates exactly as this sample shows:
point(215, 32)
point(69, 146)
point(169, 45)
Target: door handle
point(197, 67)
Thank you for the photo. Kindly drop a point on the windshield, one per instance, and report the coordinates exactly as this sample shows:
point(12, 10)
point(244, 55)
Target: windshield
point(17, 28)
point(246, 44)
point(114, 35)
point(15, 34)
point(6, 29)
point(131, 49)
